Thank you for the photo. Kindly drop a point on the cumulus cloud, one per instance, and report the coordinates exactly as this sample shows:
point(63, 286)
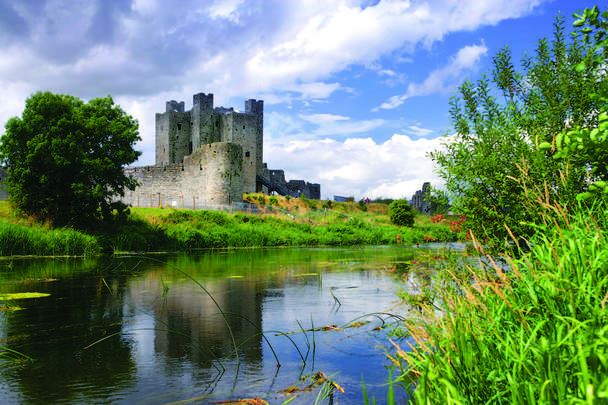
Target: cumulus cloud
point(144, 52)
point(466, 59)
point(360, 167)
point(316, 126)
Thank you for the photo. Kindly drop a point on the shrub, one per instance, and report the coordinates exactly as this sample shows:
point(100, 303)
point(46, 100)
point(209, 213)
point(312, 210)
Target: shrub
point(401, 213)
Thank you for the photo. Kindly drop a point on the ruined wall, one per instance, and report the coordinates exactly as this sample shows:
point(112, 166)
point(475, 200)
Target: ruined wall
point(211, 175)
point(295, 187)
point(418, 200)
point(214, 173)
point(158, 185)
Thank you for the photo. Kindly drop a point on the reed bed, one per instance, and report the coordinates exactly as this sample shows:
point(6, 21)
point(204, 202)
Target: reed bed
point(25, 240)
point(533, 329)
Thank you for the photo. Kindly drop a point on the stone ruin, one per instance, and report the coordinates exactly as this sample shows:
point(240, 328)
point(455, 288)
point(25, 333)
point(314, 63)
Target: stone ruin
point(419, 201)
point(210, 155)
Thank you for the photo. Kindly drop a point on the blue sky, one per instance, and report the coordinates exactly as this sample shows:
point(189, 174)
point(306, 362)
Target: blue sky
point(356, 91)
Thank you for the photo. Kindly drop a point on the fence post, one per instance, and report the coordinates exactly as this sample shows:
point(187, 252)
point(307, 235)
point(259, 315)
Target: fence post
point(231, 207)
point(137, 200)
point(325, 216)
point(193, 202)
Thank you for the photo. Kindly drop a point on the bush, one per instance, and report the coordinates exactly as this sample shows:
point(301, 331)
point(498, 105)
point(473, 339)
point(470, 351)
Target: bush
point(401, 213)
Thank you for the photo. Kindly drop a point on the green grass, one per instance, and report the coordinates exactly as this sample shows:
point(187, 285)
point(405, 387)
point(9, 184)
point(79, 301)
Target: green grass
point(531, 331)
point(18, 239)
point(156, 229)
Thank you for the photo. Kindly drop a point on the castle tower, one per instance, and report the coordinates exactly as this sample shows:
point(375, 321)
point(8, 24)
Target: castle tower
point(204, 123)
point(256, 107)
point(172, 133)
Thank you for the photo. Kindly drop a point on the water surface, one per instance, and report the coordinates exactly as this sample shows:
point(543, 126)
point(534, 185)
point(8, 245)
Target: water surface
point(162, 339)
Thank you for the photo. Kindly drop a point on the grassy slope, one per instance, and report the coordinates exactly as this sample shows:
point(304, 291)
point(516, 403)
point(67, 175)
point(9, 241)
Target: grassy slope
point(150, 229)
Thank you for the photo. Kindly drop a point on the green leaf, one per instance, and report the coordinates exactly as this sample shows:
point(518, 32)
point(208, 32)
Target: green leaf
point(544, 145)
point(578, 23)
point(584, 196)
point(580, 67)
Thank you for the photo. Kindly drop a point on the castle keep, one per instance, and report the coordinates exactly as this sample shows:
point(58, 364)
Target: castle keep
point(208, 156)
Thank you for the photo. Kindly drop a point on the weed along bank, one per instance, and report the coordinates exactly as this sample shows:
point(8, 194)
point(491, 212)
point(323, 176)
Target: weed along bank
point(209, 156)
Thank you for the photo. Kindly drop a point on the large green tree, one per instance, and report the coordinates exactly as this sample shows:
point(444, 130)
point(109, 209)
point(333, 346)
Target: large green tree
point(505, 162)
point(65, 157)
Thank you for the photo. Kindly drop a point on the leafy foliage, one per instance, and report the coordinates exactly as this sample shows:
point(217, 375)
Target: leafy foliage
point(528, 330)
point(588, 146)
point(507, 152)
point(401, 213)
point(65, 157)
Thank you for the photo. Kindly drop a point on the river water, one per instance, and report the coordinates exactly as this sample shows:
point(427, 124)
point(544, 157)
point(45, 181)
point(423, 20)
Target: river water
point(154, 329)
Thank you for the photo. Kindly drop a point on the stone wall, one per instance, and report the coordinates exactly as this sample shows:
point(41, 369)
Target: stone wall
point(295, 187)
point(419, 199)
point(211, 175)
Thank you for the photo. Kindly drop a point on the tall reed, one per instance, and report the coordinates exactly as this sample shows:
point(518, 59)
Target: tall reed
point(534, 330)
point(24, 240)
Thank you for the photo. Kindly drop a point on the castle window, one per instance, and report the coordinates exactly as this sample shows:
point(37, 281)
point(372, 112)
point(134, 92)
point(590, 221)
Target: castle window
point(247, 154)
point(190, 147)
point(179, 127)
point(177, 137)
point(243, 126)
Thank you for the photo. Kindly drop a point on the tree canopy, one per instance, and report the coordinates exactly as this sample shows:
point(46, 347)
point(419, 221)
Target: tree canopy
point(65, 157)
point(509, 153)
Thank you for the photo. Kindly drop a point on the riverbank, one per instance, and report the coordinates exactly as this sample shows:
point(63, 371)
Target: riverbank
point(531, 329)
point(169, 229)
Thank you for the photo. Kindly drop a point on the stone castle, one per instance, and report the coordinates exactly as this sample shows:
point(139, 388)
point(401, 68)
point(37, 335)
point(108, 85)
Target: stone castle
point(210, 156)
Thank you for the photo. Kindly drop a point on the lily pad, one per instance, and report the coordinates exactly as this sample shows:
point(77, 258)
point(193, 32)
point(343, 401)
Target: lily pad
point(21, 296)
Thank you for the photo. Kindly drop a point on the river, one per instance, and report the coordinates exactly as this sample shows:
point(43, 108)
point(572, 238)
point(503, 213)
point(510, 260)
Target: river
point(160, 329)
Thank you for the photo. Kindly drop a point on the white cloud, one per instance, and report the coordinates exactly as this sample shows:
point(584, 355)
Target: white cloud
point(227, 9)
point(466, 59)
point(358, 166)
point(419, 131)
point(145, 50)
point(316, 126)
point(323, 118)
